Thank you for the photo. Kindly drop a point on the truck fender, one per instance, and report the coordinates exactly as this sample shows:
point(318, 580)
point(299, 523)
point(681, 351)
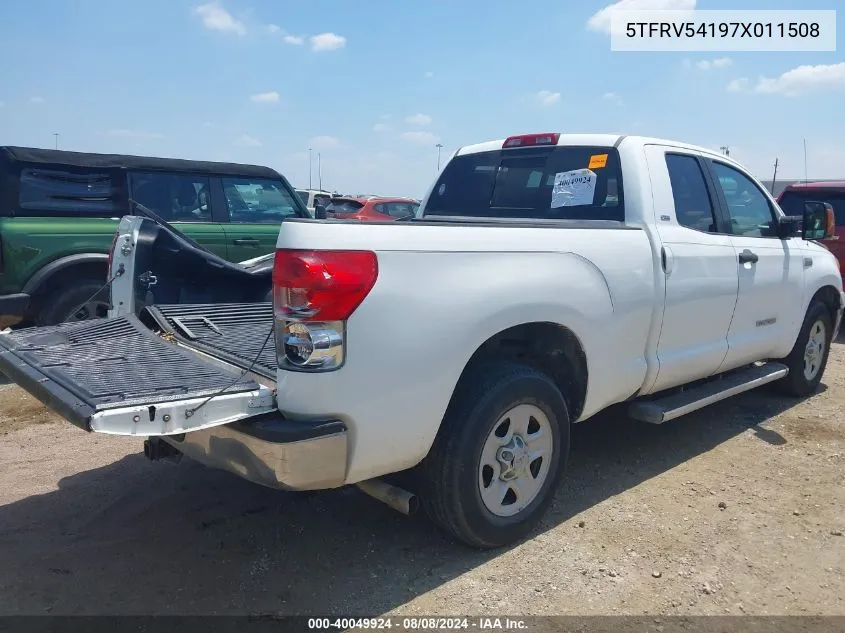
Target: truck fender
point(41, 279)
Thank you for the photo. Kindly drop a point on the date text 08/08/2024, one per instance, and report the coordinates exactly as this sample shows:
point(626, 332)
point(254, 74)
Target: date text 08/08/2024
point(417, 623)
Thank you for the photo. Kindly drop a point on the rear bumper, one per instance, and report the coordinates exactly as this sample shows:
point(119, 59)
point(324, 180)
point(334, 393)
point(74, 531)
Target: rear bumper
point(15, 305)
point(273, 451)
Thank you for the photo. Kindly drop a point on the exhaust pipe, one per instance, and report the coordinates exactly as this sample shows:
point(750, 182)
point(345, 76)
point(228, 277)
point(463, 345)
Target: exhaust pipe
point(155, 449)
point(397, 498)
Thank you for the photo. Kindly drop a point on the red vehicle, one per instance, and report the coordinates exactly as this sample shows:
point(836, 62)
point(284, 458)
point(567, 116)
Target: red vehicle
point(792, 199)
point(373, 209)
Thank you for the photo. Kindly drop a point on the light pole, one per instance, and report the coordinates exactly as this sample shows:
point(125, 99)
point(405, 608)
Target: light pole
point(309, 168)
point(319, 172)
point(439, 146)
point(56, 134)
point(805, 160)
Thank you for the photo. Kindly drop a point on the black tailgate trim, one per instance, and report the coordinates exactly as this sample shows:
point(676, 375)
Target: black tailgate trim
point(233, 332)
point(49, 392)
point(79, 369)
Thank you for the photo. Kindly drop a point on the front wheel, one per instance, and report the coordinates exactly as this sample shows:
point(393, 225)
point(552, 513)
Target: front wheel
point(498, 457)
point(808, 358)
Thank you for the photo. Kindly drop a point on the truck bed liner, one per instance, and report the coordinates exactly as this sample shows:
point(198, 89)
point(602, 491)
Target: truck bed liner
point(234, 332)
point(80, 369)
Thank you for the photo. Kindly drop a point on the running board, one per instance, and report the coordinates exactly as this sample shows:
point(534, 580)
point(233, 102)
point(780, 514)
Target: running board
point(674, 406)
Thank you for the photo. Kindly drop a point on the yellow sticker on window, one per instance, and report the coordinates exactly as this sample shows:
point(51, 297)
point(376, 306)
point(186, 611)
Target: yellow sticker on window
point(597, 161)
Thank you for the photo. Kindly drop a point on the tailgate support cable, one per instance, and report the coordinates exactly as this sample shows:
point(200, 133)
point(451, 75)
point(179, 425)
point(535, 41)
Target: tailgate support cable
point(108, 283)
point(190, 412)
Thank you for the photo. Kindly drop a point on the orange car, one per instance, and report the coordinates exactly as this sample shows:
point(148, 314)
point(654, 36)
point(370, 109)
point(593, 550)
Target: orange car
point(372, 209)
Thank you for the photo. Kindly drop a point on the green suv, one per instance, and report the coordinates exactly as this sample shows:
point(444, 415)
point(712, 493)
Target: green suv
point(59, 212)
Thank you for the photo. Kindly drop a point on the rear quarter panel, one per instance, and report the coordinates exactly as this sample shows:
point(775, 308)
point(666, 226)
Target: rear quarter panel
point(444, 290)
point(31, 243)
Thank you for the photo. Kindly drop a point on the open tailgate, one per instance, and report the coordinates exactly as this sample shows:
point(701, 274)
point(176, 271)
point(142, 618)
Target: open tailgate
point(118, 376)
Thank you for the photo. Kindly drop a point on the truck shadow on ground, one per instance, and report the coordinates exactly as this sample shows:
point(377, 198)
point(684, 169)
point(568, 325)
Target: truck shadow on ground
point(140, 537)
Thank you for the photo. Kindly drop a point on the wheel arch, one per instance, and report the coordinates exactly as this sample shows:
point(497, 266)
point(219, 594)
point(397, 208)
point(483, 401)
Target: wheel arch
point(830, 296)
point(62, 270)
point(548, 347)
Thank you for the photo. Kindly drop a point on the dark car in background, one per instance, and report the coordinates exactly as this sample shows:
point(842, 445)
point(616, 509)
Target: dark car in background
point(792, 200)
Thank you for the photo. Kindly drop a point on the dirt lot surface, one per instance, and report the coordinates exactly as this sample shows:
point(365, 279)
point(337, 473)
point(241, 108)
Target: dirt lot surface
point(739, 509)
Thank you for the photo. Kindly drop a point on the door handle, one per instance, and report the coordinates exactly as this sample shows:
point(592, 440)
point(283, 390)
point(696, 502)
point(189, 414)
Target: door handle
point(246, 241)
point(666, 259)
point(747, 257)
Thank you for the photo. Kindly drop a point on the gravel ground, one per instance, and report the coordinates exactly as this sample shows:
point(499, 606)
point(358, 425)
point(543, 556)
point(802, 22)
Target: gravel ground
point(736, 509)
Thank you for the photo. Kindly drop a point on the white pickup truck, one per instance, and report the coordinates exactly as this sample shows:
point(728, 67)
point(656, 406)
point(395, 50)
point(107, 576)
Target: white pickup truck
point(545, 278)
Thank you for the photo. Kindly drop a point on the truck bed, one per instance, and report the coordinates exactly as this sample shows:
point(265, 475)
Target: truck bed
point(234, 332)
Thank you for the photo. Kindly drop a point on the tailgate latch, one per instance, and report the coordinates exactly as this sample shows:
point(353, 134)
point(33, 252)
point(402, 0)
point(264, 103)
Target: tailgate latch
point(148, 279)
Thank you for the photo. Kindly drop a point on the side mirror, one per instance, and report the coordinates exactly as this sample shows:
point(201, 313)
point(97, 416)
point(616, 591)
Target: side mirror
point(320, 210)
point(789, 226)
point(819, 220)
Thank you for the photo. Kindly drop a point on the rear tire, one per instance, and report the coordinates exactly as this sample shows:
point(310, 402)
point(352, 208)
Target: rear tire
point(808, 358)
point(76, 302)
point(484, 480)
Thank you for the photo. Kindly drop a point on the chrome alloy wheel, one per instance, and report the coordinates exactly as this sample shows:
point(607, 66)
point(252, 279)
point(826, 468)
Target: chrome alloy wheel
point(515, 460)
point(814, 350)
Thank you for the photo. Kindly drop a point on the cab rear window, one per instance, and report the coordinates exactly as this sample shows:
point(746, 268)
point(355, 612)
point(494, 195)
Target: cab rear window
point(548, 183)
point(344, 206)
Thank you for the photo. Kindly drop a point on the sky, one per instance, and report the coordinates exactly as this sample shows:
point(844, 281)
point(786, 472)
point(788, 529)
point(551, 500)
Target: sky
point(372, 86)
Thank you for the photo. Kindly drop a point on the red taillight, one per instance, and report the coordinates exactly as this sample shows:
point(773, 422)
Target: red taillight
point(321, 285)
point(111, 254)
point(526, 140)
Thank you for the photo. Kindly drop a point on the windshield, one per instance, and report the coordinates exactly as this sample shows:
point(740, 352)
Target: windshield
point(548, 183)
point(303, 195)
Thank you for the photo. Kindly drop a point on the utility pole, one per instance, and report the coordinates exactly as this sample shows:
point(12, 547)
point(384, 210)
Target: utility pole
point(319, 172)
point(439, 146)
point(805, 160)
point(775, 176)
point(56, 134)
point(725, 150)
point(309, 168)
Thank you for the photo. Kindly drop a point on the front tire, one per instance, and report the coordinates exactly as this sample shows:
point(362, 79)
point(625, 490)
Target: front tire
point(808, 358)
point(496, 462)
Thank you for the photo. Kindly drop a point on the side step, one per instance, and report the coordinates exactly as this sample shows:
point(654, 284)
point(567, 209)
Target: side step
point(674, 406)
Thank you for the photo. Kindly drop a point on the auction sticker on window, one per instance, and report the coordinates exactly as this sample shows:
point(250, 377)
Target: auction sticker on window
point(597, 161)
point(574, 188)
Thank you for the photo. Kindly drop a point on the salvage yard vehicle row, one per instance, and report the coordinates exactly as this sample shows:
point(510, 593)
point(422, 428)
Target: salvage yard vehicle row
point(545, 278)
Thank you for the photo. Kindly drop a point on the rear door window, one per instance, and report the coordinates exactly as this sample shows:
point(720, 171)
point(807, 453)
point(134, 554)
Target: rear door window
point(565, 183)
point(693, 206)
point(792, 202)
point(175, 197)
point(399, 209)
point(61, 192)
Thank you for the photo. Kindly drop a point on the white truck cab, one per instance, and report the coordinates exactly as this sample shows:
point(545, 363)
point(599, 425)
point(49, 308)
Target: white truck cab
point(545, 278)
point(310, 197)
